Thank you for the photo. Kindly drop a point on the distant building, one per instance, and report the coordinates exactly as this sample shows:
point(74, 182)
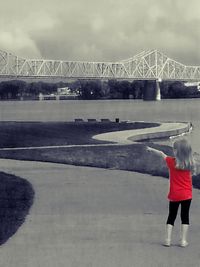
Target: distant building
point(64, 91)
point(61, 94)
point(193, 84)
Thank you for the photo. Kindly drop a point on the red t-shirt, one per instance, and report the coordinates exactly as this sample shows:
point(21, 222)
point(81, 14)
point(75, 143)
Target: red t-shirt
point(180, 182)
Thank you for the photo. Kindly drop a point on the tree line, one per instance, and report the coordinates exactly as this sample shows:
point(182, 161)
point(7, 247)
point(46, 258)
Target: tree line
point(94, 89)
point(114, 89)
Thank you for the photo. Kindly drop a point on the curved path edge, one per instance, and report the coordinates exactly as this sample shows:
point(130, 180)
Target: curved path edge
point(165, 129)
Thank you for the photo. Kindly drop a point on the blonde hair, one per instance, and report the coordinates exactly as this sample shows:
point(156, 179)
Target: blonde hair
point(183, 155)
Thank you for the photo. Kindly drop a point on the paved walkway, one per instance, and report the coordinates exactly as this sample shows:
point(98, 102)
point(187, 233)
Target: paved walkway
point(165, 129)
point(90, 217)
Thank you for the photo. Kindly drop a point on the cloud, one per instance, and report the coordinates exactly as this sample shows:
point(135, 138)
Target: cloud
point(23, 45)
point(94, 30)
point(17, 30)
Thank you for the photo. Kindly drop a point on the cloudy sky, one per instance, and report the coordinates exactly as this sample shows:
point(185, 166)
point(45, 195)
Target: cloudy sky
point(100, 30)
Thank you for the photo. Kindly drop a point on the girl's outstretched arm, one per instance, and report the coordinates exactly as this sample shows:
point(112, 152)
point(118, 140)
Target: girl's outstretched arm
point(158, 152)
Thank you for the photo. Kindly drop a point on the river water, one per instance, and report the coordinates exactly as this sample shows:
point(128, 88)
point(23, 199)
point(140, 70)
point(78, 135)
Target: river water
point(136, 110)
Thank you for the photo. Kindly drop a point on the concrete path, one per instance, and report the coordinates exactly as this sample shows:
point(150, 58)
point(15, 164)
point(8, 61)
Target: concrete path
point(165, 129)
point(90, 217)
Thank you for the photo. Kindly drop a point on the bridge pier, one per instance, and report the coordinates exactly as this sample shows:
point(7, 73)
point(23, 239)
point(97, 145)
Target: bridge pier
point(151, 90)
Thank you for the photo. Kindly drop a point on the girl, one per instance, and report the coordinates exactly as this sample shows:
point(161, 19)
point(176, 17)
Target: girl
point(180, 191)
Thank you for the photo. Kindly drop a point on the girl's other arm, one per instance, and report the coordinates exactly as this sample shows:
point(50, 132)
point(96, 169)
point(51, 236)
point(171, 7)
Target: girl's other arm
point(156, 151)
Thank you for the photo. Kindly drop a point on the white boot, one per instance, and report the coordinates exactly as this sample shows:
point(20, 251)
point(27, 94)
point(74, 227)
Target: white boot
point(168, 236)
point(184, 232)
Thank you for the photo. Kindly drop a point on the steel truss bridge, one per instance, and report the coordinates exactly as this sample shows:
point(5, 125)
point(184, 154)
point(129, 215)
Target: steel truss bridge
point(147, 65)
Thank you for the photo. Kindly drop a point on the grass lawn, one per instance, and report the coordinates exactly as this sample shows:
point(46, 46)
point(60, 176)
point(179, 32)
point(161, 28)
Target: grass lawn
point(123, 157)
point(25, 134)
point(16, 198)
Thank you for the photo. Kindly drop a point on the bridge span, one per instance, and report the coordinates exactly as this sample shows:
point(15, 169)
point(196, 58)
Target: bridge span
point(149, 65)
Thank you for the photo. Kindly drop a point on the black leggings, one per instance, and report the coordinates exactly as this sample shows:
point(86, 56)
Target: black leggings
point(173, 210)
